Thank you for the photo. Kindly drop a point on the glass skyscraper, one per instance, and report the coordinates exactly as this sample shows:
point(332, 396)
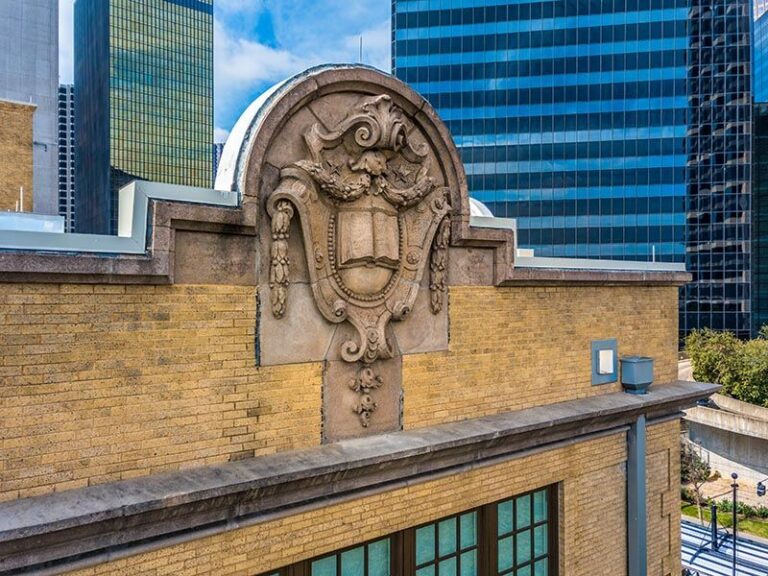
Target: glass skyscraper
point(577, 118)
point(719, 167)
point(143, 99)
point(760, 220)
point(760, 58)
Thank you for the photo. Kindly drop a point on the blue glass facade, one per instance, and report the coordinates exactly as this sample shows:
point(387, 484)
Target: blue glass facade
point(571, 116)
point(760, 47)
point(575, 116)
point(719, 167)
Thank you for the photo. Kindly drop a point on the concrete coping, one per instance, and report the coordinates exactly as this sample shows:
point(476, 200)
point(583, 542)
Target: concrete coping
point(132, 222)
point(745, 425)
point(64, 526)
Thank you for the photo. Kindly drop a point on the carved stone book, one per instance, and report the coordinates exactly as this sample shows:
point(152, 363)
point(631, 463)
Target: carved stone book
point(367, 237)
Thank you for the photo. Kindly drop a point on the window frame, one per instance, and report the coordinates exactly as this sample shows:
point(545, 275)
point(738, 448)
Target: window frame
point(403, 543)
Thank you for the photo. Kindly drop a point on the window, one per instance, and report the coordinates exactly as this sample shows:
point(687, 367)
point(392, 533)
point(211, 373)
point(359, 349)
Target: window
point(372, 559)
point(449, 546)
point(514, 537)
point(523, 535)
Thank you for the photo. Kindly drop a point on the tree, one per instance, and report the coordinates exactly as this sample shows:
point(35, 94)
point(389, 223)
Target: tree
point(741, 367)
point(694, 470)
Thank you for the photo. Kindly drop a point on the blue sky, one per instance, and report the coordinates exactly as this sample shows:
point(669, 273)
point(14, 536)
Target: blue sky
point(260, 42)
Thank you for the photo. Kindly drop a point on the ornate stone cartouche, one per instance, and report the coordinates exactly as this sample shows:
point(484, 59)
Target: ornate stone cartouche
point(372, 220)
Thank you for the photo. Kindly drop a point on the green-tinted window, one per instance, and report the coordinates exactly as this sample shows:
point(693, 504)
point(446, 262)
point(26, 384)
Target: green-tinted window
point(514, 537)
point(448, 547)
point(366, 560)
point(523, 533)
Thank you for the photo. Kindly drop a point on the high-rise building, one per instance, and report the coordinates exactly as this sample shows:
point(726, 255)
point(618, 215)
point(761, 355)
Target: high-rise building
point(29, 74)
point(144, 99)
point(760, 219)
point(67, 155)
point(575, 117)
point(570, 116)
point(719, 178)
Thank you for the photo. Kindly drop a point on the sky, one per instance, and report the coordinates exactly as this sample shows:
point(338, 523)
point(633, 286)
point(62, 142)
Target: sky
point(260, 42)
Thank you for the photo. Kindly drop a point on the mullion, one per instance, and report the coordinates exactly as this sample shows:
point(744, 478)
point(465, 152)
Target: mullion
point(402, 544)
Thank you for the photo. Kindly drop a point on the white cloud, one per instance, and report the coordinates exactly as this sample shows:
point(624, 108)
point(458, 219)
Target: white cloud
point(307, 33)
point(66, 41)
point(220, 134)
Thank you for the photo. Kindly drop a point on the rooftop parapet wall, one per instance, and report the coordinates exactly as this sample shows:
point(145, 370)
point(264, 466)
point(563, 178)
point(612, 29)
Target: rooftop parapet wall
point(105, 382)
point(331, 335)
point(181, 343)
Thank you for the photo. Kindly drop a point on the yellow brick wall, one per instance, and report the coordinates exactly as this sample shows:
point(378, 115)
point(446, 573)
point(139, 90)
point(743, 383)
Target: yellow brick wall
point(514, 348)
point(592, 477)
point(663, 479)
point(15, 154)
point(102, 383)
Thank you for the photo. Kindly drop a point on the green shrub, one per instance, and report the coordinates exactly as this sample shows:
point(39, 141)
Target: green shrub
point(686, 495)
point(746, 510)
point(740, 367)
point(724, 506)
point(761, 512)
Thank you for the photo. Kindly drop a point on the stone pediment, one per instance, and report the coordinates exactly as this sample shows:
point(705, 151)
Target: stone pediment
point(359, 193)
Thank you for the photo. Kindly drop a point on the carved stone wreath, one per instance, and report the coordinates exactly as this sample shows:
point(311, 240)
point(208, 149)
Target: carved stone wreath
point(371, 219)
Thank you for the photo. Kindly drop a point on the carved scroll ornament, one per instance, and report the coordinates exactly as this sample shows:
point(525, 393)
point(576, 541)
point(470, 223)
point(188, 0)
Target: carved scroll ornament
point(372, 221)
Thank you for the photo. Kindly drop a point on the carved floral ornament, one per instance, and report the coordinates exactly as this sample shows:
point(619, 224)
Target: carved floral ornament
point(372, 221)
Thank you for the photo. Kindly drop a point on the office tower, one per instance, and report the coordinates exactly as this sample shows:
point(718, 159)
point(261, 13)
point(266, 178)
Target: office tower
point(29, 74)
point(719, 176)
point(67, 155)
point(144, 99)
point(570, 116)
point(575, 118)
point(760, 219)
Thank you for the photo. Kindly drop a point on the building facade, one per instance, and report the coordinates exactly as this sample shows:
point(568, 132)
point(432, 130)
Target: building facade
point(144, 100)
point(719, 175)
point(16, 155)
point(570, 116)
point(760, 57)
point(581, 120)
point(67, 155)
point(310, 404)
point(760, 220)
point(29, 73)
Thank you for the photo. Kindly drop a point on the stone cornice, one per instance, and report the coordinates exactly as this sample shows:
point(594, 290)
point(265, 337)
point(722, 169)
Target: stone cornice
point(57, 532)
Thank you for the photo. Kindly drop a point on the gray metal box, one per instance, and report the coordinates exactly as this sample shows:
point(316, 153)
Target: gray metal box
point(636, 373)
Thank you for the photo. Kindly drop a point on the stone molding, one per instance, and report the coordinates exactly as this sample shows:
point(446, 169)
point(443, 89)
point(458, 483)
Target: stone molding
point(55, 533)
point(143, 253)
point(150, 255)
